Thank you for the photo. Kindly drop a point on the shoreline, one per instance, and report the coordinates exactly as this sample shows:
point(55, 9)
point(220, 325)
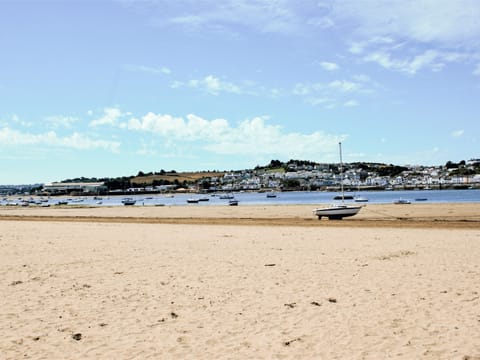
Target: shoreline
point(450, 215)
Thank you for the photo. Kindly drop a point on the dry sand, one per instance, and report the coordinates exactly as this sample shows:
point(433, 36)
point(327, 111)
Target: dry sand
point(195, 282)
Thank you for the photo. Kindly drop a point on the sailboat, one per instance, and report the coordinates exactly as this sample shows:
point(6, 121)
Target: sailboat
point(338, 211)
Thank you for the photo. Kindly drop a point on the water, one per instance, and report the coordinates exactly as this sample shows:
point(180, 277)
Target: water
point(292, 198)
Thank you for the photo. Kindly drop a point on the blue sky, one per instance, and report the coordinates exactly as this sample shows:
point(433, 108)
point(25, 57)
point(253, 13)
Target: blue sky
point(110, 88)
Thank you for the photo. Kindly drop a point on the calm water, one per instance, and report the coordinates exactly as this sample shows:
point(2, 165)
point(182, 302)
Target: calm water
point(374, 197)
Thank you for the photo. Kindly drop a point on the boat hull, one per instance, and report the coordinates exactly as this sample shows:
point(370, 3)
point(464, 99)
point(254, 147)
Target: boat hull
point(337, 212)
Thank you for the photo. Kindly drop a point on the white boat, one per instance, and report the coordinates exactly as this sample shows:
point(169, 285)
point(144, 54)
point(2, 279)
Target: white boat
point(271, 195)
point(226, 196)
point(338, 211)
point(360, 199)
point(402, 201)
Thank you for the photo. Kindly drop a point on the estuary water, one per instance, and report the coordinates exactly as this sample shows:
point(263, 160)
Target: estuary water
point(255, 198)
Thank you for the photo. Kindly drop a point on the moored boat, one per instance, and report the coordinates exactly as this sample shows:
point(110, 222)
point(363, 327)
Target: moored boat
point(338, 211)
point(402, 201)
point(128, 201)
point(233, 202)
point(343, 197)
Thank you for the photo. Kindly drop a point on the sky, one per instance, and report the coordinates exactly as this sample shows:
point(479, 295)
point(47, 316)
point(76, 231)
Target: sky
point(111, 88)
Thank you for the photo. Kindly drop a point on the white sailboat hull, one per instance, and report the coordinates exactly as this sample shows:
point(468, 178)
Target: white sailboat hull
point(337, 212)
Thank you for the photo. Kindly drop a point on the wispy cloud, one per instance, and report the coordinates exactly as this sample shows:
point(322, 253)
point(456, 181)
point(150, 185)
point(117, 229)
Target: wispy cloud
point(76, 140)
point(147, 69)
point(458, 133)
point(449, 23)
point(351, 103)
point(110, 117)
point(415, 36)
point(228, 16)
point(335, 93)
point(215, 86)
point(429, 59)
point(17, 120)
point(59, 121)
point(329, 66)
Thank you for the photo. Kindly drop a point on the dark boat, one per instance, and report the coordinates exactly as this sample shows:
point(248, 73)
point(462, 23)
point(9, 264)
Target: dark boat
point(128, 201)
point(343, 197)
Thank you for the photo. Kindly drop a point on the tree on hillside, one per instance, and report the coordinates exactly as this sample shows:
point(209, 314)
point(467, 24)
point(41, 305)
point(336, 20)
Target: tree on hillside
point(274, 164)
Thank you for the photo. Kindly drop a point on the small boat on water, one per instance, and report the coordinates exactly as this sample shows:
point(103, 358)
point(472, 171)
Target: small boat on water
point(128, 201)
point(343, 197)
point(192, 201)
point(360, 199)
point(421, 199)
point(402, 201)
point(233, 202)
point(338, 211)
point(226, 197)
point(271, 195)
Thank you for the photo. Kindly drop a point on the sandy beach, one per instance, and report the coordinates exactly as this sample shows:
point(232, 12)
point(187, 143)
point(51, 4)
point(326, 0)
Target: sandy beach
point(246, 282)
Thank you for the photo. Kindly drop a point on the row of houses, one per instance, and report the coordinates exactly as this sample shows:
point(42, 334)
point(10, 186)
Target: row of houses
point(306, 177)
point(311, 179)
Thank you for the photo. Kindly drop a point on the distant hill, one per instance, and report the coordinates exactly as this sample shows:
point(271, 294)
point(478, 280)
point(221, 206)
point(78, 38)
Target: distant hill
point(173, 177)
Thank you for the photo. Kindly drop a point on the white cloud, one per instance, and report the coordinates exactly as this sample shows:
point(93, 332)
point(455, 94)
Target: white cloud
point(215, 86)
point(77, 141)
point(194, 128)
point(61, 121)
point(111, 117)
point(344, 86)
point(458, 133)
point(245, 140)
point(429, 59)
point(329, 66)
point(450, 23)
point(220, 137)
point(18, 121)
point(147, 69)
point(351, 103)
point(261, 15)
point(335, 93)
point(236, 17)
point(412, 36)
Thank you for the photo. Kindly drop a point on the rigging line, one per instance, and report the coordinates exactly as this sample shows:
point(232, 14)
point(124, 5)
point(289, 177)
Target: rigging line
point(384, 213)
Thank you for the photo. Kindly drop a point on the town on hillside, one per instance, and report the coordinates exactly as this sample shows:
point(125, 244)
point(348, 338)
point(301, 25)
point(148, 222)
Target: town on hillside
point(294, 175)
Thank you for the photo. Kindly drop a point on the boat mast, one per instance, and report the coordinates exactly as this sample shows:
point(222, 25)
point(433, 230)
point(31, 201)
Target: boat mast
point(341, 172)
